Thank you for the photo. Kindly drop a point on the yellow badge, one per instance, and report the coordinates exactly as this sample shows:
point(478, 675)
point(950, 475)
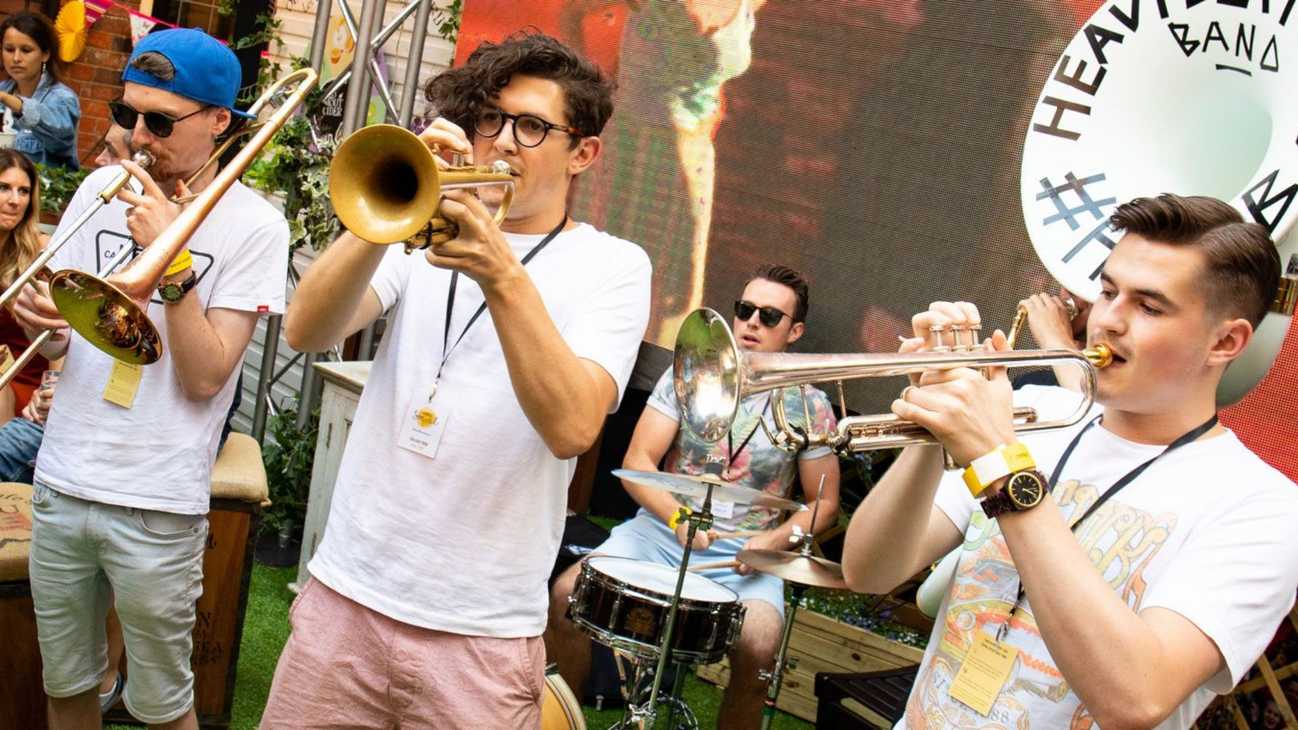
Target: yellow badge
point(426, 417)
point(983, 673)
point(123, 383)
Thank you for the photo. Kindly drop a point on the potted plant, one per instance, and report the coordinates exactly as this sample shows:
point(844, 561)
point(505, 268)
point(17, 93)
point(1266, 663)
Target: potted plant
point(288, 454)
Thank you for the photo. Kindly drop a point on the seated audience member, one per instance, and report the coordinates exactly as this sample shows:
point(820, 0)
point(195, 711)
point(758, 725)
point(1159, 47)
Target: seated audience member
point(40, 110)
point(769, 316)
point(20, 243)
point(1120, 573)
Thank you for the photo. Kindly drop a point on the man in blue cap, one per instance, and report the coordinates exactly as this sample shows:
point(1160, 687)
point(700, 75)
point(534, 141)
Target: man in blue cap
point(123, 476)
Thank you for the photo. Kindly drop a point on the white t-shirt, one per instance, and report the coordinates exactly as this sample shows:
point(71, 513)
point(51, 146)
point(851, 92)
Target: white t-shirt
point(465, 541)
point(158, 454)
point(1207, 531)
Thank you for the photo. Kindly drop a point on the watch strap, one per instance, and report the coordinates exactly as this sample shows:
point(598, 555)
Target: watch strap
point(998, 463)
point(999, 502)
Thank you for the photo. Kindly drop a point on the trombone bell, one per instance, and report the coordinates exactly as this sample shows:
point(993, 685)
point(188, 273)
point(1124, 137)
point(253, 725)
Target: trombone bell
point(385, 186)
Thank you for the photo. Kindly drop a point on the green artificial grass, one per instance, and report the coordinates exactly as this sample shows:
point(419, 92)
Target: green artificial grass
point(265, 630)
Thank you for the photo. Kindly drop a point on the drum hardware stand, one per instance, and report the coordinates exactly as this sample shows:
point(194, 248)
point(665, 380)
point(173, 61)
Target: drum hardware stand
point(775, 676)
point(644, 715)
point(679, 714)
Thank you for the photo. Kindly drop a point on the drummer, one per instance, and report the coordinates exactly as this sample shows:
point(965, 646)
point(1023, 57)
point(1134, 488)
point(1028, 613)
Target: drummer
point(769, 316)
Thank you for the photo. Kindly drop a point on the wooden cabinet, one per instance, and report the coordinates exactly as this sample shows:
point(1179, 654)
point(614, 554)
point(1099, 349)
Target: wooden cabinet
point(343, 382)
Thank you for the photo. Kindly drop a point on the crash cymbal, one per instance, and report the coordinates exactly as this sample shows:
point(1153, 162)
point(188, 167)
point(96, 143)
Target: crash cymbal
point(795, 567)
point(693, 486)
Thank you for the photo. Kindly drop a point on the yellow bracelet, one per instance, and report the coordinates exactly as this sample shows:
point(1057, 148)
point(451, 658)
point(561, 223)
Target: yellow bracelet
point(677, 516)
point(183, 261)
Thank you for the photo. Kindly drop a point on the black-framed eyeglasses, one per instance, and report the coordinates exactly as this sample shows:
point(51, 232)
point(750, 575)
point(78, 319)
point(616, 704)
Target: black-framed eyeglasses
point(529, 129)
point(159, 124)
point(768, 316)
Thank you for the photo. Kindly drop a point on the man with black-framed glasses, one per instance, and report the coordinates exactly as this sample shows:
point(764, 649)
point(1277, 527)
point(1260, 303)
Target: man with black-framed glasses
point(770, 315)
point(498, 366)
point(123, 476)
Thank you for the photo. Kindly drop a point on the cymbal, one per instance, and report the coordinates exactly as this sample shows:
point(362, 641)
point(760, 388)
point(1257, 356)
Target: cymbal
point(795, 567)
point(693, 486)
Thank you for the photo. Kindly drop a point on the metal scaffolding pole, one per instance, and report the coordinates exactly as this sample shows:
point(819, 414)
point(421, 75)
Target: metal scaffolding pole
point(410, 83)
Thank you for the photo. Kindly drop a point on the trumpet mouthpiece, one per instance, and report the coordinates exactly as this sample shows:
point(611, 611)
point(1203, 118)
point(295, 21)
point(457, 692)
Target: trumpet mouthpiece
point(1100, 355)
point(501, 167)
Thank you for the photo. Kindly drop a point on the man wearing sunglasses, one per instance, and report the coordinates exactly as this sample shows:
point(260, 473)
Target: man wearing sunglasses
point(123, 477)
point(770, 315)
point(498, 366)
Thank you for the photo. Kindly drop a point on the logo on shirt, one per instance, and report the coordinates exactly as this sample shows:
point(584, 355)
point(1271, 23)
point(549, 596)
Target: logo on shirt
point(109, 244)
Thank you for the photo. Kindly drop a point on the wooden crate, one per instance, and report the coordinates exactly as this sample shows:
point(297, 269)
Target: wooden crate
point(821, 644)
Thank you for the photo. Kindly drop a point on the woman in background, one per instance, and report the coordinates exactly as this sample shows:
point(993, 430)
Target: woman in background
point(20, 242)
point(41, 111)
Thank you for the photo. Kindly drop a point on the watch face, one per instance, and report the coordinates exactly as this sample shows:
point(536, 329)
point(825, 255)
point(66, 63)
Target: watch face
point(169, 292)
point(1026, 489)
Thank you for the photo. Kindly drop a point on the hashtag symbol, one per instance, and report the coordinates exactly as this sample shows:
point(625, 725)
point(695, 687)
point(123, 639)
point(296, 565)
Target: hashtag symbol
point(1078, 187)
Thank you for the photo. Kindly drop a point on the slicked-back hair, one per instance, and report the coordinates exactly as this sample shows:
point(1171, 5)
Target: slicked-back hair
point(155, 64)
point(1241, 263)
point(791, 278)
point(459, 94)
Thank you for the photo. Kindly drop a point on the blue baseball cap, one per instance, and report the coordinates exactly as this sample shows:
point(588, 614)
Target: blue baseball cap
point(206, 70)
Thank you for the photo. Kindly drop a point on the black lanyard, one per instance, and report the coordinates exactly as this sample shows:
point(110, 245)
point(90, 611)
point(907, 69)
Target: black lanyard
point(1185, 438)
point(730, 435)
point(450, 299)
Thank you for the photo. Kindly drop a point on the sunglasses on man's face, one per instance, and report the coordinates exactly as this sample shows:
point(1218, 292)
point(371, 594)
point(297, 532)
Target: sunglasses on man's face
point(768, 316)
point(158, 123)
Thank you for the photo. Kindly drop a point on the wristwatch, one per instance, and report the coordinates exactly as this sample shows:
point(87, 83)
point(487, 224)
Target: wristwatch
point(989, 467)
point(174, 292)
point(1024, 490)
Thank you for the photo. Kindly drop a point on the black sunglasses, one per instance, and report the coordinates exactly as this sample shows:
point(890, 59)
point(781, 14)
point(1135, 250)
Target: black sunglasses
point(159, 124)
point(529, 129)
point(768, 316)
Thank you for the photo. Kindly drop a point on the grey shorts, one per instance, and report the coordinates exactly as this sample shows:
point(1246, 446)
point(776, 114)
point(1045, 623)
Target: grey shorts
point(150, 564)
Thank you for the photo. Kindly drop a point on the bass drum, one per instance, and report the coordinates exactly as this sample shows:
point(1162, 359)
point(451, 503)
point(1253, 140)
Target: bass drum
point(1188, 98)
point(560, 709)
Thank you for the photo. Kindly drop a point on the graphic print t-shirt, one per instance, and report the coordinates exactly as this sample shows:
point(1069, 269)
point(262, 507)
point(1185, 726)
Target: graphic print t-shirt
point(1206, 531)
point(759, 464)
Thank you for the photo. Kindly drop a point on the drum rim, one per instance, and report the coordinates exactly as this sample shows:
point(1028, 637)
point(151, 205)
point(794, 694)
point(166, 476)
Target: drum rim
point(587, 564)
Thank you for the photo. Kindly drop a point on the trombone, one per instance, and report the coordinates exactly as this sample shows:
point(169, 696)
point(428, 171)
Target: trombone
point(385, 186)
point(711, 375)
point(104, 311)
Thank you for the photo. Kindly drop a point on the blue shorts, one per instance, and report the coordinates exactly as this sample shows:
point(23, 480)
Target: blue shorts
point(645, 537)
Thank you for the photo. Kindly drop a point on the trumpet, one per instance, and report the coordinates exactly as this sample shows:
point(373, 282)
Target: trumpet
point(711, 375)
point(385, 186)
point(104, 311)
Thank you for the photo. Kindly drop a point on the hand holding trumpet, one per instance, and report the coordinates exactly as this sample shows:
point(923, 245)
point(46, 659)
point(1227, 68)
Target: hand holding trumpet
point(968, 412)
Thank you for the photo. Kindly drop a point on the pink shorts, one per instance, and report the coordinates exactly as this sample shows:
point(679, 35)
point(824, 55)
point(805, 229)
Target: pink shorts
point(348, 666)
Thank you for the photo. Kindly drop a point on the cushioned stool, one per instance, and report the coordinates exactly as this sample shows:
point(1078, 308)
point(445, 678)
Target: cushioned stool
point(22, 697)
point(238, 494)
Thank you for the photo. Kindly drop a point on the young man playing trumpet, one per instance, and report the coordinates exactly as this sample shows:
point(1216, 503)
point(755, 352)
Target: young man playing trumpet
point(1120, 572)
point(123, 477)
point(770, 315)
point(505, 349)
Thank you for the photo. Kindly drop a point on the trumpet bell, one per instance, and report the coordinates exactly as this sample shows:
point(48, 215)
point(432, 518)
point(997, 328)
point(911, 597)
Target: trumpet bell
point(106, 317)
point(383, 182)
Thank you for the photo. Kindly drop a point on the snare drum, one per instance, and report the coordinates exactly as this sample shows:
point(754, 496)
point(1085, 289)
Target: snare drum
point(623, 604)
point(560, 709)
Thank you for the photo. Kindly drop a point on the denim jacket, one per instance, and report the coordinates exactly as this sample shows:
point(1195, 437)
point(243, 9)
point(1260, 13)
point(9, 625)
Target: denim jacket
point(47, 129)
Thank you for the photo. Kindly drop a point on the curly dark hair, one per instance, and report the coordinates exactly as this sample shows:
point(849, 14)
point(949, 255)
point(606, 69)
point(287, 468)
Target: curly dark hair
point(459, 93)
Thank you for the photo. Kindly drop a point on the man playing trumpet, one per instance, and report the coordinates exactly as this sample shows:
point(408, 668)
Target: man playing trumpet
point(505, 349)
point(1121, 572)
point(123, 476)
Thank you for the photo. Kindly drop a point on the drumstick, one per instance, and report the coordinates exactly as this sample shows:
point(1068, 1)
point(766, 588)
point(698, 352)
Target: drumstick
point(737, 534)
point(714, 566)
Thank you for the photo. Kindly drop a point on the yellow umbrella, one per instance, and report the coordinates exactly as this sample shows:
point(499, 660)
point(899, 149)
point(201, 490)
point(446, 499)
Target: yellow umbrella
point(70, 26)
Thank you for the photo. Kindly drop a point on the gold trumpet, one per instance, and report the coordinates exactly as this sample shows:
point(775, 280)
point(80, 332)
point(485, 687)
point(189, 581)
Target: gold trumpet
point(711, 375)
point(104, 311)
point(385, 186)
